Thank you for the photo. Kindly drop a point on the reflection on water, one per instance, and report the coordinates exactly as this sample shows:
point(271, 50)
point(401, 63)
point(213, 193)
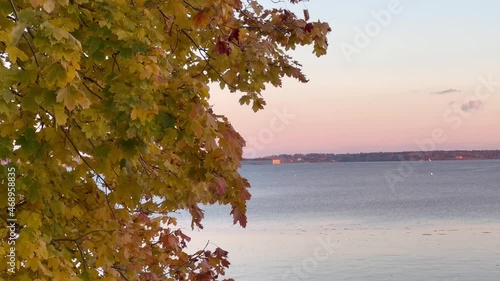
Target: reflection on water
point(336, 222)
point(351, 252)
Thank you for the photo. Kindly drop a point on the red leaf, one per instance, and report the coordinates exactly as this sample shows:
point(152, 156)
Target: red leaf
point(285, 16)
point(204, 266)
point(143, 218)
point(235, 34)
point(239, 217)
point(245, 194)
point(223, 48)
point(220, 185)
point(306, 14)
point(183, 236)
point(219, 253)
point(309, 27)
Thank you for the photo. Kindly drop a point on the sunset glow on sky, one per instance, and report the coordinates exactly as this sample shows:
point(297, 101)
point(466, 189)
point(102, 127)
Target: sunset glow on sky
point(398, 73)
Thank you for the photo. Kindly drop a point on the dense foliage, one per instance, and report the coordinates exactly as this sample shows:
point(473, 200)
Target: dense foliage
point(104, 117)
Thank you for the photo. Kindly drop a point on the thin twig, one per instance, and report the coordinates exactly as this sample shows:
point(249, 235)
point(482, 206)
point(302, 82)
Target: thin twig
point(93, 81)
point(92, 92)
point(115, 62)
point(77, 245)
point(90, 167)
point(15, 11)
point(192, 7)
point(207, 57)
point(32, 50)
point(16, 19)
point(120, 271)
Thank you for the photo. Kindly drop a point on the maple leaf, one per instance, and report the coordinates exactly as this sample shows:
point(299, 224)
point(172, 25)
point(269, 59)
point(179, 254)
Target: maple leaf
point(235, 35)
point(201, 19)
point(64, 95)
point(15, 53)
point(306, 15)
point(239, 216)
point(36, 3)
point(49, 6)
point(309, 27)
point(143, 218)
point(71, 97)
point(223, 48)
point(220, 185)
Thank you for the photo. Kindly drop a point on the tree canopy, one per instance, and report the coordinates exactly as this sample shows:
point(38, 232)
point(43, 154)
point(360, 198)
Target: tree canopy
point(104, 116)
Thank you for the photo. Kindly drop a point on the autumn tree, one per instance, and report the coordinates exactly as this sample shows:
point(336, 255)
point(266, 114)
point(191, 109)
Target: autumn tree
point(105, 121)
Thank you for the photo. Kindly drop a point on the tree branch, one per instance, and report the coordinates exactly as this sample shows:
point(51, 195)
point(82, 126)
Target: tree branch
point(16, 17)
point(207, 57)
point(90, 167)
point(119, 269)
point(92, 92)
point(84, 262)
point(32, 49)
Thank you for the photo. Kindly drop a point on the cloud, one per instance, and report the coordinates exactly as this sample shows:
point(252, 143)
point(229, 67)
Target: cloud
point(472, 105)
point(447, 91)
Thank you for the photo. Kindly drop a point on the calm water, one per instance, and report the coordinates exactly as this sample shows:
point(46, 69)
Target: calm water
point(346, 221)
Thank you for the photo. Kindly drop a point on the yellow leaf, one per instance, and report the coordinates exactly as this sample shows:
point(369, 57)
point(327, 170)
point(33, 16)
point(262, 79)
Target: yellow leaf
point(15, 53)
point(60, 115)
point(123, 35)
point(64, 95)
point(134, 113)
point(60, 33)
point(33, 264)
point(49, 6)
point(71, 97)
point(42, 249)
point(83, 101)
point(17, 32)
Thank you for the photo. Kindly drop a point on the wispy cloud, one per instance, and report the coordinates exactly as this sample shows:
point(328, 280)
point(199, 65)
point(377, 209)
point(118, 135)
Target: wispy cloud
point(472, 105)
point(447, 91)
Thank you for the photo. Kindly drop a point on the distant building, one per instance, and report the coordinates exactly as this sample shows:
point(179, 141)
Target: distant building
point(276, 161)
point(459, 157)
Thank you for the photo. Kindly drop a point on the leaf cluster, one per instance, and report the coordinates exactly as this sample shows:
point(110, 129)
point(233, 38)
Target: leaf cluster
point(104, 113)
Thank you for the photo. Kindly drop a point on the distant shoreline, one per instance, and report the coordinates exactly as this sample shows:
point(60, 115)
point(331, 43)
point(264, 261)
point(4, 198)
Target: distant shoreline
point(436, 155)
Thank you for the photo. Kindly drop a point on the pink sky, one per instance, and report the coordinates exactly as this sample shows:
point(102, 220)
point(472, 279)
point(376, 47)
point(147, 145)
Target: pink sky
point(391, 96)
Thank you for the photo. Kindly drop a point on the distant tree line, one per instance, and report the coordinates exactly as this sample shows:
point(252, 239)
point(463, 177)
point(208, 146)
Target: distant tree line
point(384, 156)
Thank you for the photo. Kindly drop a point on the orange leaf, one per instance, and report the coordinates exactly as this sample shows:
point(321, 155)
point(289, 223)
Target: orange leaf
point(201, 19)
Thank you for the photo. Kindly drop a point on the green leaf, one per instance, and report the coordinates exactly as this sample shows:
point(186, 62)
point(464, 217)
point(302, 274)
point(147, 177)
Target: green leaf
point(7, 95)
point(54, 75)
point(5, 147)
point(165, 120)
point(102, 150)
point(28, 141)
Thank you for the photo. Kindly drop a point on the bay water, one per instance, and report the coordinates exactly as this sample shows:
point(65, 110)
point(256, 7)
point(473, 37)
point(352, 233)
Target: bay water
point(371, 221)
